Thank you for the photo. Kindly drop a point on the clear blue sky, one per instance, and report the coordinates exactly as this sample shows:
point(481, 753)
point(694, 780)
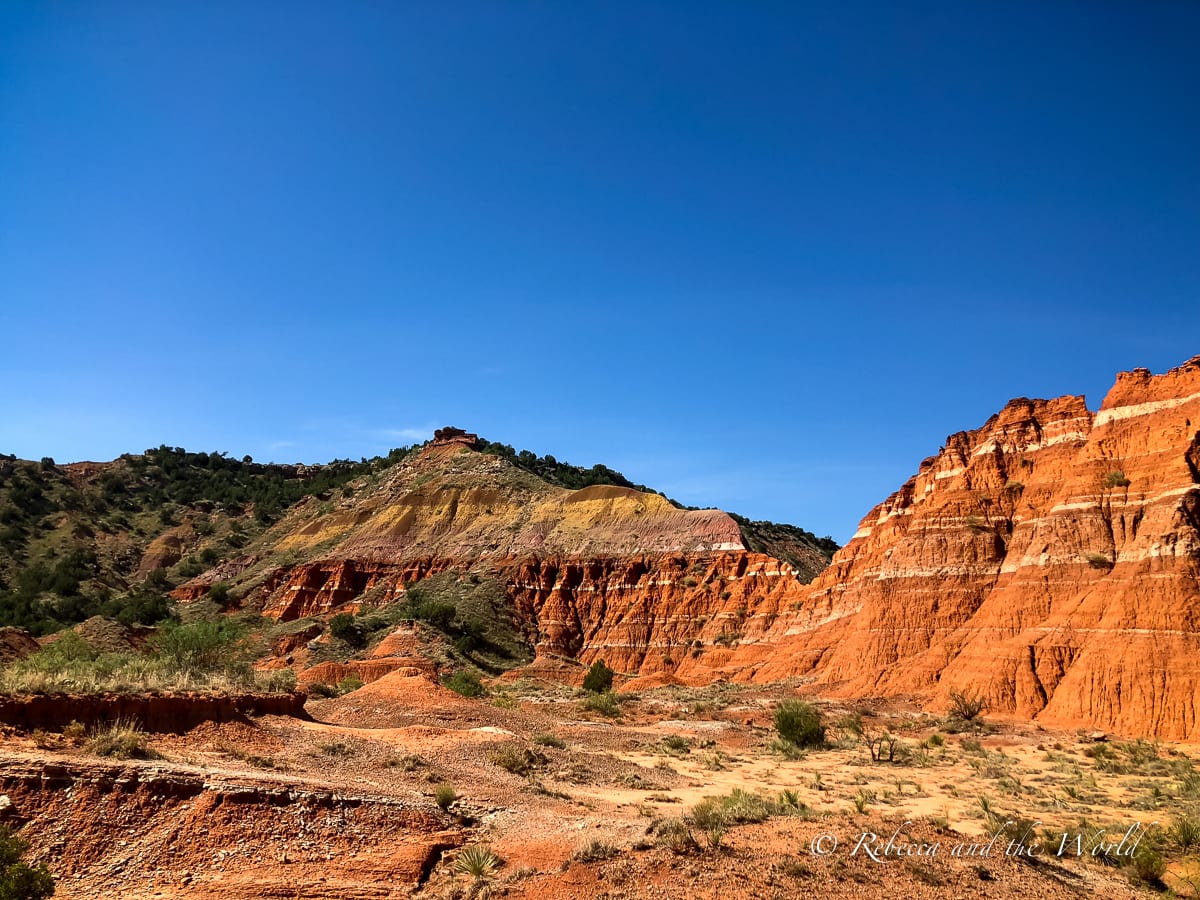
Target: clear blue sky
point(764, 257)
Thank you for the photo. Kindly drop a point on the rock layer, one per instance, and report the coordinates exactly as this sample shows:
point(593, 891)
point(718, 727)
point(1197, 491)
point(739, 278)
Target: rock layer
point(1049, 560)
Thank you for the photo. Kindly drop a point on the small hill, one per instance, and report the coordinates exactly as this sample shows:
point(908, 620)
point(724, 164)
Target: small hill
point(115, 539)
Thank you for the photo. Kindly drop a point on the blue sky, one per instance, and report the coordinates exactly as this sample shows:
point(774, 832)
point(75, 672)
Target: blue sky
point(762, 256)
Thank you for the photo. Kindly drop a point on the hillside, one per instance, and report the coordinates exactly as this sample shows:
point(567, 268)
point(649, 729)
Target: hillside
point(115, 538)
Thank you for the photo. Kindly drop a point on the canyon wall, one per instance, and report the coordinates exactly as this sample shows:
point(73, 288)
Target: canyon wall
point(1049, 560)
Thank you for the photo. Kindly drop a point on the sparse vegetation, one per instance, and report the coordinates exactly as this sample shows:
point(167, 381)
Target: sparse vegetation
point(122, 739)
point(606, 704)
point(799, 723)
point(595, 850)
point(444, 796)
point(201, 656)
point(518, 760)
point(477, 861)
point(1116, 479)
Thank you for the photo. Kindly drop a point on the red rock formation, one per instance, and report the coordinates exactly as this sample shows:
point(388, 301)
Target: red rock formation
point(1049, 560)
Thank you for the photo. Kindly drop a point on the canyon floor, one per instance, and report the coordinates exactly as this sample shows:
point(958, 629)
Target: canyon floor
point(579, 804)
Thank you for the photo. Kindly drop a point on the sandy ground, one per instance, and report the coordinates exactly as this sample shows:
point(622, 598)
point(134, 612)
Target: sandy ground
point(586, 808)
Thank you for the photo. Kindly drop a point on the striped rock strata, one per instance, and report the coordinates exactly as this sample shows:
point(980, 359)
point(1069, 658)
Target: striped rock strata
point(1049, 560)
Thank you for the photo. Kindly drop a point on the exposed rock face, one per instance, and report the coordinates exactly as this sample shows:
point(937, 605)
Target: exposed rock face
point(16, 643)
point(646, 615)
point(1049, 560)
point(136, 829)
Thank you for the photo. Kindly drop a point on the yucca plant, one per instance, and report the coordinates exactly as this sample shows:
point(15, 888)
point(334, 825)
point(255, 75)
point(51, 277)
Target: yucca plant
point(478, 861)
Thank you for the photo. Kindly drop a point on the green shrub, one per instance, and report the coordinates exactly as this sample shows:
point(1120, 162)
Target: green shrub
point(465, 682)
point(344, 628)
point(1115, 480)
point(550, 740)
point(278, 681)
point(202, 646)
point(676, 744)
point(599, 678)
point(219, 593)
point(19, 880)
point(799, 723)
point(1148, 865)
point(1184, 831)
point(604, 703)
point(478, 861)
point(349, 684)
point(675, 835)
point(444, 795)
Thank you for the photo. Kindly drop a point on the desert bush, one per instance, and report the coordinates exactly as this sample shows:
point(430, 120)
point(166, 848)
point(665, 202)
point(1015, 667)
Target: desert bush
point(605, 703)
point(966, 707)
point(408, 762)
point(1098, 560)
point(862, 799)
point(518, 760)
point(676, 744)
point(886, 747)
point(18, 879)
point(202, 646)
point(1148, 866)
point(799, 723)
point(465, 682)
point(122, 739)
point(1185, 831)
point(1115, 480)
point(674, 835)
point(599, 678)
point(550, 740)
point(349, 684)
point(278, 681)
point(595, 850)
point(345, 628)
point(444, 795)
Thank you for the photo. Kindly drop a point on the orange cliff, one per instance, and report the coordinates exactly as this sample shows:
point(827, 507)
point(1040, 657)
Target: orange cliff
point(1049, 561)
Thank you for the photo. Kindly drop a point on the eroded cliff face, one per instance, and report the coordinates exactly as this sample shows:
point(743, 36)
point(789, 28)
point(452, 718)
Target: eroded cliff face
point(1049, 560)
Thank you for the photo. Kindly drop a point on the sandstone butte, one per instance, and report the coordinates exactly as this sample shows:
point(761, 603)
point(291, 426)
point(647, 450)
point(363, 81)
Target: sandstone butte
point(1049, 561)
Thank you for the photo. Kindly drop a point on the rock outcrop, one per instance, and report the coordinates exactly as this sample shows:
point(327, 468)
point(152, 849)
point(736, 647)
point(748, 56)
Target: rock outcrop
point(1049, 561)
